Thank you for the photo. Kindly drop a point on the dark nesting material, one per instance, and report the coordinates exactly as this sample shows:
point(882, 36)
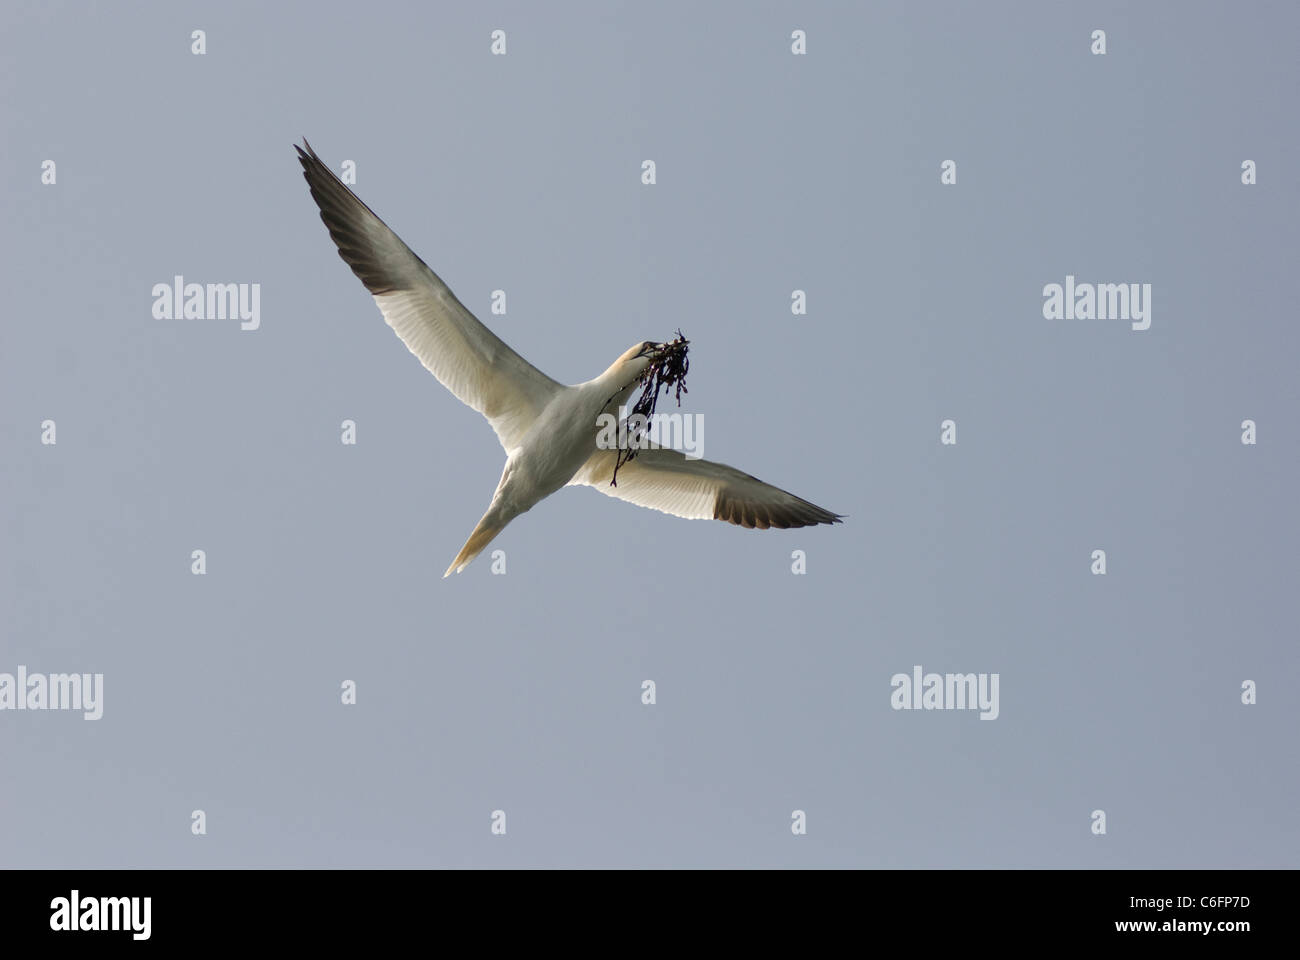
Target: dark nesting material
point(667, 369)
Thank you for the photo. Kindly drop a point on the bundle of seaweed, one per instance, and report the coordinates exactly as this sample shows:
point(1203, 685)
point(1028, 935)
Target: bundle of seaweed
point(667, 370)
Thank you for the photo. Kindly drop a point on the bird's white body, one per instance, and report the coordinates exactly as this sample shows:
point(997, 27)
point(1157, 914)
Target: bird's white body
point(549, 431)
point(560, 441)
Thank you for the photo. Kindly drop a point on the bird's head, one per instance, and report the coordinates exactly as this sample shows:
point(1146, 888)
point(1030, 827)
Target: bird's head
point(629, 369)
point(632, 365)
point(650, 364)
point(637, 359)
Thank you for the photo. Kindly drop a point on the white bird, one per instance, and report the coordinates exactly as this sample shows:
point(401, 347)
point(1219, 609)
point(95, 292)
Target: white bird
point(549, 430)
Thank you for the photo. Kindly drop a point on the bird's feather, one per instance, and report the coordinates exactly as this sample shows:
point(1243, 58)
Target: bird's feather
point(468, 358)
point(666, 480)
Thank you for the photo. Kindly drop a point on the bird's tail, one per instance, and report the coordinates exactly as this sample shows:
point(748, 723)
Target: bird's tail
point(483, 534)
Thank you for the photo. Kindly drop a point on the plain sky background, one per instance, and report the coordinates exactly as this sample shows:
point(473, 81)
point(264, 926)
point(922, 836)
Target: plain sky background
point(522, 692)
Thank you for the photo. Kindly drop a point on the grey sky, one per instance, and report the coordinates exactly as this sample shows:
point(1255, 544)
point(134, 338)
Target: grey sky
point(522, 692)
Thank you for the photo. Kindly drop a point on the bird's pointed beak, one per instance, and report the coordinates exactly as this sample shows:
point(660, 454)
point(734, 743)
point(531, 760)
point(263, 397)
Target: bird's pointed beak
point(657, 350)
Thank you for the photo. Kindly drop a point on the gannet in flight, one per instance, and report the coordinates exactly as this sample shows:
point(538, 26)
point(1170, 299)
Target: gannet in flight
point(548, 430)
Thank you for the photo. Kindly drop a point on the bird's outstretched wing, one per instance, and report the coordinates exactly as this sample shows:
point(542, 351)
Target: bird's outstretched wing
point(664, 479)
point(467, 357)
